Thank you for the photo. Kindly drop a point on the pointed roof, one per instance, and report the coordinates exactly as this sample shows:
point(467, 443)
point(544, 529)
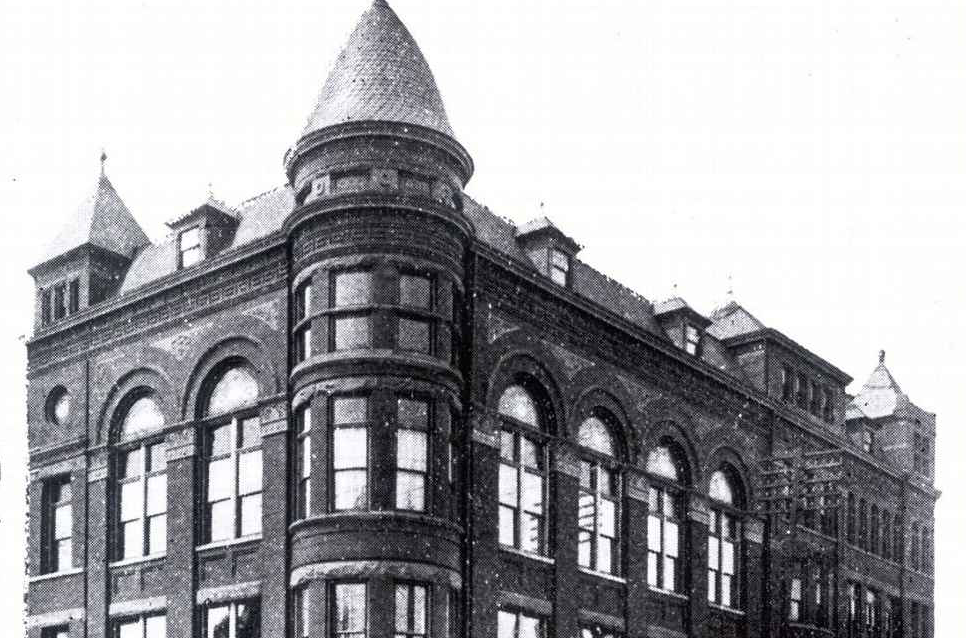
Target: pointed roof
point(732, 320)
point(881, 395)
point(103, 220)
point(380, 75)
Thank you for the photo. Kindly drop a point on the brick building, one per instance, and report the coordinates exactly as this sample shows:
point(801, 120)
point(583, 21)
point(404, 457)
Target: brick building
point(363, 405)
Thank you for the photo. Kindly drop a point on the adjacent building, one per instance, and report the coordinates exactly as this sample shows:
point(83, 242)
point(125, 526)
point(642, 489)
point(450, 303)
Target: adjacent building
point(362, 405)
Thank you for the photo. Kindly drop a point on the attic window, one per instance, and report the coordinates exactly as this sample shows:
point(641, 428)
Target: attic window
point(692, 339)
point(559, 267)
point(189, 247)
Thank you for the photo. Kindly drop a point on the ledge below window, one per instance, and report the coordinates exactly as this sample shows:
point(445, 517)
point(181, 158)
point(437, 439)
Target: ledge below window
point(525, 554)
point(668, 593)
point(728, 610)
point(61, 574)
point(137, 559)
point(229, 542)
point(603, 575)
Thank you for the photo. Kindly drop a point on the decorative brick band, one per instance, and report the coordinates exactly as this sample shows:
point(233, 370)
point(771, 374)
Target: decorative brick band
point(364, 568)
point(55, 618)
point(485, 438)
point(597, 618)
point(138, 606)
point(182, 443)
point(61, 467)
point(698, 510)
point(274, 419)
point(227, 593)
point(655, 631)
point(637, 487)
point(566, 461)
point(522, 601)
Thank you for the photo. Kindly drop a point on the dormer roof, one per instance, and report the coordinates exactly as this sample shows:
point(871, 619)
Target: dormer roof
point(102, 220)
point(380, 75)
point(209, 209)
point(542, 227)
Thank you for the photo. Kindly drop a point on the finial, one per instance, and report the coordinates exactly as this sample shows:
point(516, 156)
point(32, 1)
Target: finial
point(211, 191)
point(881, 356)
point(103, 160)
point(731, 287)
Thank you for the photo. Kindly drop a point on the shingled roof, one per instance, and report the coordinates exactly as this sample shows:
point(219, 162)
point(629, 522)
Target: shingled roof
point(380, 75)
point(102, 220)
point(880, 396)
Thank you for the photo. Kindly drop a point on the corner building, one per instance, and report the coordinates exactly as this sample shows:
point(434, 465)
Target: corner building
point(363, 406)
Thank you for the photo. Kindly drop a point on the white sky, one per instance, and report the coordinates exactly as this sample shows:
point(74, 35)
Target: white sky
point(812, 149)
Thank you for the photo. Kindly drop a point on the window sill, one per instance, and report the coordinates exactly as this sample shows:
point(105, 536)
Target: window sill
point(229, 542)
point(53, 575)
point(525, 554)
point(668, 593)
point(603, 575)
point(137, 560)
point(729, 610)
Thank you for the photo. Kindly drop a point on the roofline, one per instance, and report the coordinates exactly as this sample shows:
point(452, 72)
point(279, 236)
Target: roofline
point(788, 342)
point(66, 256)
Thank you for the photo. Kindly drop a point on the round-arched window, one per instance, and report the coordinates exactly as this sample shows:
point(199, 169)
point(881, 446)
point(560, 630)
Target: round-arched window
point(720, 488)
point(661, 462)
point(518, 404)
point(664, 520)
point(724, 539)
point(596, 435)
point(142, 417)
point(57, 407)
point(598, 512)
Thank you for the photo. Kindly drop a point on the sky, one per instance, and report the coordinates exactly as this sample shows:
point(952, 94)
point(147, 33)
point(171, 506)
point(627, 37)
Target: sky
point(808, 154)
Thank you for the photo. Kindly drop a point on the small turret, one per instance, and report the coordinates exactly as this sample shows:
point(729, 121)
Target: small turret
point(86, 262)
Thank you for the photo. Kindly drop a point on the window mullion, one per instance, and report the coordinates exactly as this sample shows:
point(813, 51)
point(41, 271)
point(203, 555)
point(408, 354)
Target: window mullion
point(236, 518)
point(143, 514)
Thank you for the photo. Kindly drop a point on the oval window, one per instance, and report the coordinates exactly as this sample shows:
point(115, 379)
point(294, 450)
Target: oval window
point(58, 405)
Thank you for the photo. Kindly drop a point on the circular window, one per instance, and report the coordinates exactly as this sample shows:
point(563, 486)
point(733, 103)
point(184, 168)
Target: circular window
point(58, 405)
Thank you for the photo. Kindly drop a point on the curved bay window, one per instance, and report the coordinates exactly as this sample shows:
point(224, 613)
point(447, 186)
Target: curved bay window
point(233, 458)
point(664, 518)
point(523, 472)
point(598, 517)
point(724, 540)
point(350, 319)
point(349, 418)
point(303, 460)
point(303, 321)
point(416, 327)
point(413, 418)
point(142, 484)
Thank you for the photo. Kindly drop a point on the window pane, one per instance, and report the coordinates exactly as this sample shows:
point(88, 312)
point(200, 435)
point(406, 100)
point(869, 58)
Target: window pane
point(249, 621)
point(353, 332)
point(219, 441)
point(236, 388)
point(585, 511)
point(728, 557)
point(670, 539)
point(219, 479)
point(596, 435)
point(157, 534)
point(605, 555)
point(530, 627)
point(506, 625)
point(713, 549)
point(532, 493)
point(720, 488)
point(64, 553)
point(132, 503)
point(412, 414)
point(413, 335)
point(350, 489)
point(653, 533)
point(129, 629)
point(507, 524)
point(712, 586)
point(531, 454)
point(402, 608)
point(410, 491)
point(506, 446)
point(669, 575)
point(608, 518)
point(419, 609)
point(350, 608)
point(652, 569)
point(351, 448)
point(726, 590)
point(132, 535)
point(353, 288)
point(584, 548)
point(531, 533)
point(217, 621)
point(415, 291)
point(130, 464)
point(250, 472)
point(157, 494)
point(221, 521)
point(411, 450)
point(349, 410)
point(508, 485)
point(251, 514)
point(157, 457)
point(155, 627)
point(251, 432)
point(143, 416)
point(517, 403)
point(305, 456)
point(661, 462)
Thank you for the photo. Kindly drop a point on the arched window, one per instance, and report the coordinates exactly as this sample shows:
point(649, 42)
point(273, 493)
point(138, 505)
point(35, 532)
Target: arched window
point(665, 515)
point(233, 458)
point(142, 483)
point(724, 540)
point(598, 514)
point(523, 472)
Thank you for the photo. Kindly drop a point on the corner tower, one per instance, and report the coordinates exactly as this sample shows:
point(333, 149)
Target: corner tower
point(378, 243)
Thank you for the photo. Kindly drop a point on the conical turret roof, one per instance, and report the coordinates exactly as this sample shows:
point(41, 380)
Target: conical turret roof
point(881, 395)
point(103, 220)
point(380, 75)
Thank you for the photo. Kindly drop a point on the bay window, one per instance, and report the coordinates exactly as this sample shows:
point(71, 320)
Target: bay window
point(349, 612)
point(303, 460)
point(411, 611)
point(412, 454)
point(349, 417)
point(353, 329)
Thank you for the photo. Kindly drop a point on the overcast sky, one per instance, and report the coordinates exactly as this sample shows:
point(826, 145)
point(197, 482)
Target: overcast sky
point(812, 150)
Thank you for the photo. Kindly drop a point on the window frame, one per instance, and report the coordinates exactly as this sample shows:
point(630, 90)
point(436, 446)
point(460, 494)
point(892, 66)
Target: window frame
point(60, 300)
point(600, 469)
point(409, 587)
point(302, 330)
point(333, 591)
point(721, 513)
point(518, 614)
point(193, 249)
point(520, 470)
point(233, 613)
point(51, 543)
point(559, 274)
point(660, 491)
point(692, 339)
point(235, 422)
point(364, 309)
point(142, 624)
point(303, 461)
point(418, 314)
point(427, 429)
point(145, 448)
point(46, 306)
point(367, 426)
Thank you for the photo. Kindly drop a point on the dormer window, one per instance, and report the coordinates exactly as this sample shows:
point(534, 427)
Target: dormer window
point(692, 339)
point(60, 307)
point(189, 247)
point(868, 439)
point(559, 267)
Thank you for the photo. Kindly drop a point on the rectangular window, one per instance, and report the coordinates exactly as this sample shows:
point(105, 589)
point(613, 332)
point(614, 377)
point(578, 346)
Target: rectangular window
point(802, 391)
point(412, 611)
point(350, 453)
point(57, 521)
point(559, 267)
point(73, 295)
point(692, 339)
point(141, 627)
point(522, 493)
point(871, 612)
point(828, 410)
point(722, 559)
point(516, 624)
point(233, 620)
point(142, 492)
point(349, 617)
point(788, 381)
point(303, 613)
point(412, 454)
point(303, 424)
point(415, 335)
point(189, 247)
point(795, 600)
point(815, 408)
point(868, 439)
point(351, 288)
point(60, 307)
point(597, 518)
point(303, 322)
point(863, 524)
point(850, 517)
point(234, 480)
point(416, 291)
point(663, 539)
point(61, 631)
point(46, 309)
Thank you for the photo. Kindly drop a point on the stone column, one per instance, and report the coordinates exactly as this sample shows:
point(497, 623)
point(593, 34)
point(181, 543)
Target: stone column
point(566, 481)
point(273, 550)
point(97, 520)
point(696, 578)
point(753, 568)
point(484, 512)
point(636, 562)
point(183, 488)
